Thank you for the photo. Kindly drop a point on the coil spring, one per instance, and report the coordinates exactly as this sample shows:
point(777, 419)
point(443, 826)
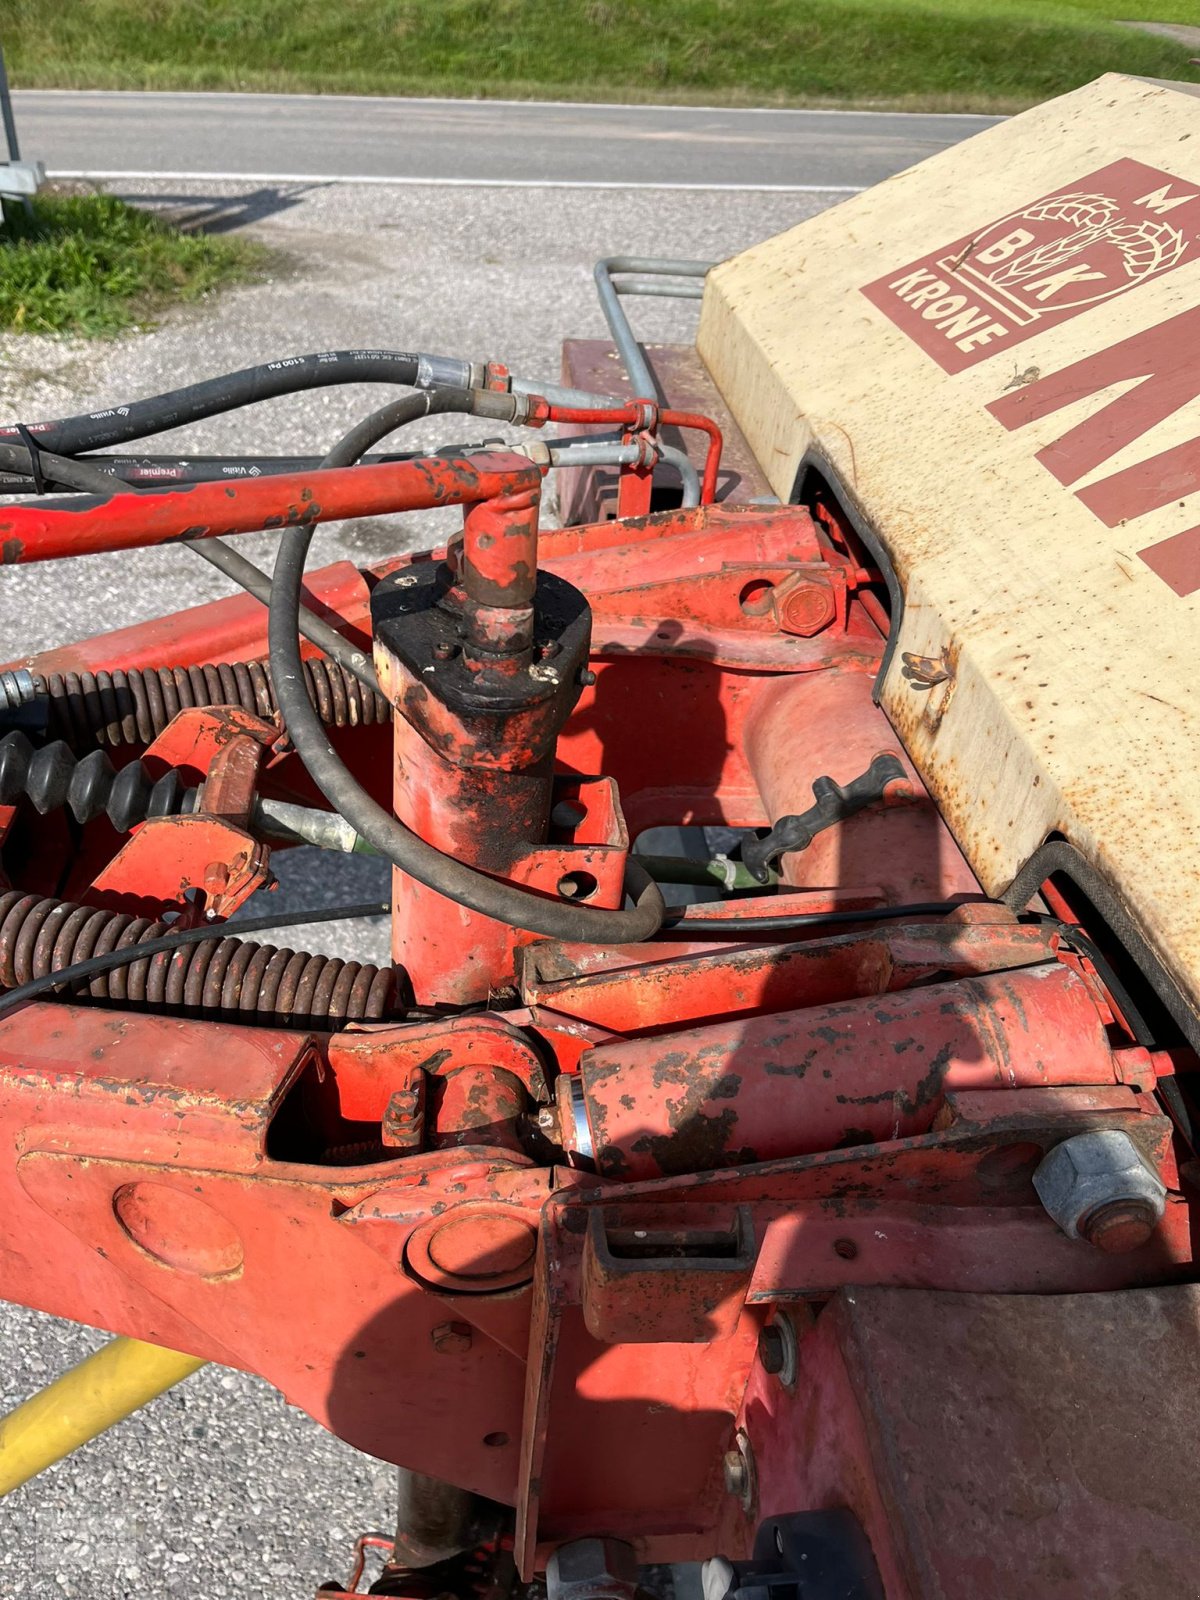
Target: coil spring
point(135, 705)
point(234, 979)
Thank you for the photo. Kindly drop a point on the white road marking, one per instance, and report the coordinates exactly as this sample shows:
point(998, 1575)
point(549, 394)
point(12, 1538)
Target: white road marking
point(467, 183)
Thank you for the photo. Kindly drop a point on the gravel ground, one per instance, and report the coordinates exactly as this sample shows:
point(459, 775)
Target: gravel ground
point(220, 1489)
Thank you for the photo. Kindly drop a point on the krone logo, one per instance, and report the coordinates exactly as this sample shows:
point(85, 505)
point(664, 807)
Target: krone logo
point(1070, 250)
point(1097, 237)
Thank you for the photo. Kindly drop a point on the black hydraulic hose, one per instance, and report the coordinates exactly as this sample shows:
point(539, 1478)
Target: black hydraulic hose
point(167, 471)
point(85, 971)
point(256, 582)
point(232, 390)
point(56, 470)
point(446, 876)
point(732, 928)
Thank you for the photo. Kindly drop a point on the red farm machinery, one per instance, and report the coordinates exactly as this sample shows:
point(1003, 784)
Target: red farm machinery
point(811, 1194)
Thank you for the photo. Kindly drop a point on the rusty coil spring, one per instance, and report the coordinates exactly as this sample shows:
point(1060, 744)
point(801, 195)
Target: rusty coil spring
point(135, 705)
point(235, 979)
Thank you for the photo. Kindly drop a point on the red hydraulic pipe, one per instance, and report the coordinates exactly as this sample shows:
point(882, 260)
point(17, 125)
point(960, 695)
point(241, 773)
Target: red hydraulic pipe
point(498, 572)
point(205, 510)
point(640, 415)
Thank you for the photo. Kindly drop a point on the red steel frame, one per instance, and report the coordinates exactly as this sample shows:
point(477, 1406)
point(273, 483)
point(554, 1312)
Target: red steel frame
point(171, 1178)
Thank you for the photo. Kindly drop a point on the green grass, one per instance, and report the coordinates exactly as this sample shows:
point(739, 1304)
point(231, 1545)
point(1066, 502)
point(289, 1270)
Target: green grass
point(90, 264)
point(950, 54)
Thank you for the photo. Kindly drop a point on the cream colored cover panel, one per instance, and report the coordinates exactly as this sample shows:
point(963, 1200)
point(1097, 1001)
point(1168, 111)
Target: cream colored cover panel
point(999, 353)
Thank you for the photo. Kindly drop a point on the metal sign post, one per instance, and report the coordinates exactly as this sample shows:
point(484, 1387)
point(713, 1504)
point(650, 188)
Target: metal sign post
point(19, 178)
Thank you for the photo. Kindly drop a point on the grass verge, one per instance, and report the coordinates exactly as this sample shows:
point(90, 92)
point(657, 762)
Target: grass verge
point(936, 54)
point(90, 264)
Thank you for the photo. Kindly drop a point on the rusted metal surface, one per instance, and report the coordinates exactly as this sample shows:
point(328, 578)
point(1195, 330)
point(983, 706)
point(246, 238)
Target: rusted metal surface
point(666, 1285)
point(635, 989)
point(207, 510)
point(854, 1072)
point(590, 494)
point(996, 1445)
point(526, 1240)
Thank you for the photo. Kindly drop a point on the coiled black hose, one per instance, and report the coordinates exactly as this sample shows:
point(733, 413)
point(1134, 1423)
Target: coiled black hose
point(519, 908)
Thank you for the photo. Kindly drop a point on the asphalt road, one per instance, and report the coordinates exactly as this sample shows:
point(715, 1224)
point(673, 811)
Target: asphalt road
point(473, 141)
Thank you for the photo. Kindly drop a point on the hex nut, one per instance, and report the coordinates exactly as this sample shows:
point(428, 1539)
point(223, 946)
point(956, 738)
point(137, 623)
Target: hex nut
point(778, 1349)
point(737, 1470)
point(592, 1569)
point(1099, 1187)
point(451, 1338)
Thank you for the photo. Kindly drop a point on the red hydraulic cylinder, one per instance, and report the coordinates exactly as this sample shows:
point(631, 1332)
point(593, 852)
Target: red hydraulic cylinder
point(481, 681)
point(857, 1072)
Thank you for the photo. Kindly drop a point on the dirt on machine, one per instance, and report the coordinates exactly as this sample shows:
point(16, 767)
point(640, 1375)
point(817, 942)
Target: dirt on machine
point(771, 1144)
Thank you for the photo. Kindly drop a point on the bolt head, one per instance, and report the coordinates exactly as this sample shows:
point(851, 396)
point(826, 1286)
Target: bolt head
point(451, 1338)
point(587, 677)
point(1099, 1187)
point(593, 1569)
point(806, 609)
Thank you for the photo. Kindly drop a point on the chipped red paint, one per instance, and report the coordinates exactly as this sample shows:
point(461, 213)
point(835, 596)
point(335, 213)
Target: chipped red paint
point(774, 1118)
point(206, 510)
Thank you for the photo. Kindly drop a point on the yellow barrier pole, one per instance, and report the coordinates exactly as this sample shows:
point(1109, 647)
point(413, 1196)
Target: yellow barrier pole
point(117, 1380)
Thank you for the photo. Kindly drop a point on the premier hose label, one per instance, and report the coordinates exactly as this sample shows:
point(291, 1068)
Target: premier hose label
point(1101, 236)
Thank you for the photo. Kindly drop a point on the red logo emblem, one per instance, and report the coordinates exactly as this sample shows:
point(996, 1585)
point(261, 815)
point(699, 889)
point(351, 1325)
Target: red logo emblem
point(1058, 256)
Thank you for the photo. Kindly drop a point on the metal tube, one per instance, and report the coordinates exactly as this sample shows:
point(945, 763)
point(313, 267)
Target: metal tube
point(256, 582)
point(579, 452)
point(655, 267)
point(6, 113)
point(116, 1381)
point(280, 819)
point(661, 291)
point(561, 394)
point(45, 530)
point(10, 128)
point(636, 366)
point(688, 475)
